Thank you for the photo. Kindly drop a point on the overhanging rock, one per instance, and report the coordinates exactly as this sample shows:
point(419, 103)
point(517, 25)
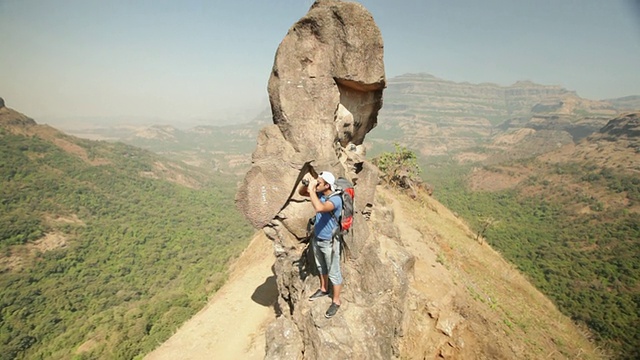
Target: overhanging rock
point(325, 91)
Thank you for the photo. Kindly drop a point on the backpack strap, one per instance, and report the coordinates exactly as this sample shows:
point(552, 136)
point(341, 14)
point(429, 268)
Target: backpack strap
point(333, 214)
point(337, 232)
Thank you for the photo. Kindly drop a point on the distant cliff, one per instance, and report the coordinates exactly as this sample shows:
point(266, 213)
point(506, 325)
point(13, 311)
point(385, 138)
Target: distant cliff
point(437, 117)
point(624, 127)
point(627, 103)
point(488, 100)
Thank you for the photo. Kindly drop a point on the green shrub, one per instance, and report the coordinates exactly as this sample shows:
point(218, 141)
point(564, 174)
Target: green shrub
point(399, 168)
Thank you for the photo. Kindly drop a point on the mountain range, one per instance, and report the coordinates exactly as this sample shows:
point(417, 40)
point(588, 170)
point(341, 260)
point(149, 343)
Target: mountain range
point(554, 177)
point(522, 155)
point(432, 116)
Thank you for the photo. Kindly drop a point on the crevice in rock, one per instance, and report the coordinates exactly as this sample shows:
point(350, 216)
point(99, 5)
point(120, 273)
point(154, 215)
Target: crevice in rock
point(358, 110)
point(325, 92)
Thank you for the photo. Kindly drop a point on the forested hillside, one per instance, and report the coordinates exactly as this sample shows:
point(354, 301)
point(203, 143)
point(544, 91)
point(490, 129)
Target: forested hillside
point(554, 185)
point(105, 248)
point(226, 149)
point(570, 220)
point(505, 159)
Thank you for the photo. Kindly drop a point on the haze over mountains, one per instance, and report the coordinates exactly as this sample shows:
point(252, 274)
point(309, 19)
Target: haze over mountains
point(574, 161)
point(120, 250)
point(539, 146)
point(437, 117)
point(430, 115)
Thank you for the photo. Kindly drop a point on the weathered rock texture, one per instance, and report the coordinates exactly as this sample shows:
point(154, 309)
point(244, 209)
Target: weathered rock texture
point(325, 92)
point(626, 126)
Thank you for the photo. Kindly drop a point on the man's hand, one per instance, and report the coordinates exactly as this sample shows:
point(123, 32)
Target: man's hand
point(313, 185)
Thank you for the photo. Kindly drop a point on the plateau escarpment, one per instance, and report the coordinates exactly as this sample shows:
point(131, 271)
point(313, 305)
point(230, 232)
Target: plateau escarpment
point(432, 116)
point(440, 117)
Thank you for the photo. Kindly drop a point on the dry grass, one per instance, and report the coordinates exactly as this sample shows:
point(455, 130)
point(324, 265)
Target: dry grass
point(499, 305)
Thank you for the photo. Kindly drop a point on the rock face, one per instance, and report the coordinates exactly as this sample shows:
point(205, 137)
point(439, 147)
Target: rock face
point(626, 126)
point(1, 102)
point(325, 91)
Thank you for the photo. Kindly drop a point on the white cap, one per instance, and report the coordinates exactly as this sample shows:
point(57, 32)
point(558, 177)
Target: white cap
point(329, 178)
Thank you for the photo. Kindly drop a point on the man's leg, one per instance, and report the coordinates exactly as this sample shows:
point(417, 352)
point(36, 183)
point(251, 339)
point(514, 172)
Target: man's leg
point(324, 283)
point(336, 294)
point(324, 258)
point(321, 263)
point(335, 276)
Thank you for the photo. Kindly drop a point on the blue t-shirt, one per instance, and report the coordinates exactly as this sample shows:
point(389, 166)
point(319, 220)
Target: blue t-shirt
point(325, 222)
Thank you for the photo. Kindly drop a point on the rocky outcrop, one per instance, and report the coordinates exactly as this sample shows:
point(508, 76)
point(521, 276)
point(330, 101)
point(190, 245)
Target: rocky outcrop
point(616, 146)
point(578, 128)
point(325, 91)
point(576, 116)
point(552, 123)
point(626, 126)
point(13, 119)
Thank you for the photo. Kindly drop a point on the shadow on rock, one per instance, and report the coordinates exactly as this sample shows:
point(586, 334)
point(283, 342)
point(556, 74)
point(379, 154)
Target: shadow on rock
point(267, 293)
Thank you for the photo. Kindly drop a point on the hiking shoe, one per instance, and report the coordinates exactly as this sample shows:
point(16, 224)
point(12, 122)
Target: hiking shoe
point(318, 294)
point(332, 310)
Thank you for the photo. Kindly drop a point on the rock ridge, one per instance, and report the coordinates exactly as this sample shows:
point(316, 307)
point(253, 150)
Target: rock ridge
point(325, 91)
point(626, 125)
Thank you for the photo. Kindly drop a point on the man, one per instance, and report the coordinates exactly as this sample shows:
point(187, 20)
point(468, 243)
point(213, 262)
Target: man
point(326, 250)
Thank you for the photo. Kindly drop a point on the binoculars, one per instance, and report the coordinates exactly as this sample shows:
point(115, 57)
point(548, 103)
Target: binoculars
point(305, 182)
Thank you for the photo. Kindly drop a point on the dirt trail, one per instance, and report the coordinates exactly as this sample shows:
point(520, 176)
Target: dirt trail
point(449, 265)
point(231, 326)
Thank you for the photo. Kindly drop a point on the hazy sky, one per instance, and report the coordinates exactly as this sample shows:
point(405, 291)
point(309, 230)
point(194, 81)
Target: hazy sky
point(203, 60)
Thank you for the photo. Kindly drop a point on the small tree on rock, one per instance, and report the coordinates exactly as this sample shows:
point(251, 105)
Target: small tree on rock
point(400, 168)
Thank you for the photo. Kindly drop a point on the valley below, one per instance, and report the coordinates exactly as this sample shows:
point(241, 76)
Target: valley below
point(529, 242)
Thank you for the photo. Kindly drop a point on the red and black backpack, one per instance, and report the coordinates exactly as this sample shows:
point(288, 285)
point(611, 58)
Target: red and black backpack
point(344, 188)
